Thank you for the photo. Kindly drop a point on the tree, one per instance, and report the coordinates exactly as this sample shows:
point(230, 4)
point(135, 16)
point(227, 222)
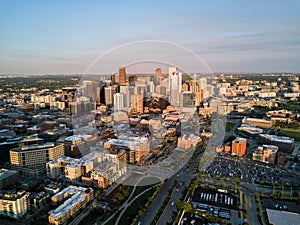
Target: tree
point(237, 179)
point(98, 194)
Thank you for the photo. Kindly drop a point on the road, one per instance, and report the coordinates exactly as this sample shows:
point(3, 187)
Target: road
point(184, 176)
point(129, 203)
point(251, 208)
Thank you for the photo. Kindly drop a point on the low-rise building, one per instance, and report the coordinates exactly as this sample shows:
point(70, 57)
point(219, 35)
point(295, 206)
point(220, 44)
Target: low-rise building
point(97, 169)
point(265, 124)
point(72, 200)
point(250, 130)
point(285, 144)
point(135, 147)
point(266, 154)
point(8, 177)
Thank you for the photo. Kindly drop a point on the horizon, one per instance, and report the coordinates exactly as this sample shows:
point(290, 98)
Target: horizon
point(58, 37)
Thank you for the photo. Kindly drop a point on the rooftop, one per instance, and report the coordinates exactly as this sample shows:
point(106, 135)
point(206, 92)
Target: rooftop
point(282, 217)
point(4, 173)
point(282, 139)
point(77, 195)
point(35, 147)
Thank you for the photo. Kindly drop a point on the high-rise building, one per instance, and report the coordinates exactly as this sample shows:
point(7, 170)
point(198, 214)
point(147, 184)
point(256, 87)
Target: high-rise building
point(176, 87)
point(31, 160)
point(203, 86)
point(109, 93)
point(125, 90)
point(74, 146)
point(172, 70)
point(122, 75)
point(132, 79)
point(91, 89)
point(158, 72)
point(199, 96)
point(185, 87)
point(137, 105)
point(239, 147)
point(115, 78)
point(119, 99)
point(186, 101)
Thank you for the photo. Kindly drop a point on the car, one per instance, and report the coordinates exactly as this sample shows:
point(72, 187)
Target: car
point(172, 203)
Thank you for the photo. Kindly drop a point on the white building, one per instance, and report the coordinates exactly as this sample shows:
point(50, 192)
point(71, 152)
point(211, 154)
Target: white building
point(119, 99)
point(14, 204)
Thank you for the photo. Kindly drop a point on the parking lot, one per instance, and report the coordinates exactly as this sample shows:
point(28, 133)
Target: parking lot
point(277, 204)
point(214, 198)
point(225, 168)
point(247, 170)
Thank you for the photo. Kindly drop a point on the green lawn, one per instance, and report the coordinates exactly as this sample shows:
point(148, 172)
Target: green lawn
point(290, 133)
point(149, 181)
point(229, 126)
point(136, 208)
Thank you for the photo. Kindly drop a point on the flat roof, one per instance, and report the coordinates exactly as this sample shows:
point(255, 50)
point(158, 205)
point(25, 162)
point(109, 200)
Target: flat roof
point(282, 139)
point(277, 217)
point(257, 120)
point(6, 173)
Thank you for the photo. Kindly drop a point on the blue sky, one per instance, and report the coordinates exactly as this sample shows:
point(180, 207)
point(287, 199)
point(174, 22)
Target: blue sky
point(43, 37)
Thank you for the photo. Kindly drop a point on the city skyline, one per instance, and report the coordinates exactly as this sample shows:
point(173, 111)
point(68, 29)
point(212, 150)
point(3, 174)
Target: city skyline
point(59, 37)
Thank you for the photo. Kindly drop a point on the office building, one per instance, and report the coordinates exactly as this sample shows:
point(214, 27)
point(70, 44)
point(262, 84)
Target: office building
point(158, 72)
point(238, 147)
point(119, 99)
point(286, 144)
point(109, 93)
point(122, 75)
point(31, 160)
point(266, 154)
point(124, 89)
point(91, 89)
point(186, 101)
point(175, 86)
point(265, 124)
point(74, 146)
point(137, 105)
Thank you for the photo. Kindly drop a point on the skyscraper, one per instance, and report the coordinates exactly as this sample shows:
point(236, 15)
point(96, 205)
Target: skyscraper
point(175, 86)
point(122, 75)
point(137, 103)
point(172, 70)
point(119, 101)
point(91, 89)
point(109, 92)
point(158, 72)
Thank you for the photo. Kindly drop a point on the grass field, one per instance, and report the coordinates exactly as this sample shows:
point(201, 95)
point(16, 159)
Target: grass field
point(290, 133)
point(229, 126)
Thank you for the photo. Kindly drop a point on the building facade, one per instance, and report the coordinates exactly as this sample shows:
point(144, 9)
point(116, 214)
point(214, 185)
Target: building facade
point(238, 147)
point(14, 204)
point(31, 160)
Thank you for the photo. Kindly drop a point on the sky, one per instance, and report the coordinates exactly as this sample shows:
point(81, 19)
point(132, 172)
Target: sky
point(71, 37)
